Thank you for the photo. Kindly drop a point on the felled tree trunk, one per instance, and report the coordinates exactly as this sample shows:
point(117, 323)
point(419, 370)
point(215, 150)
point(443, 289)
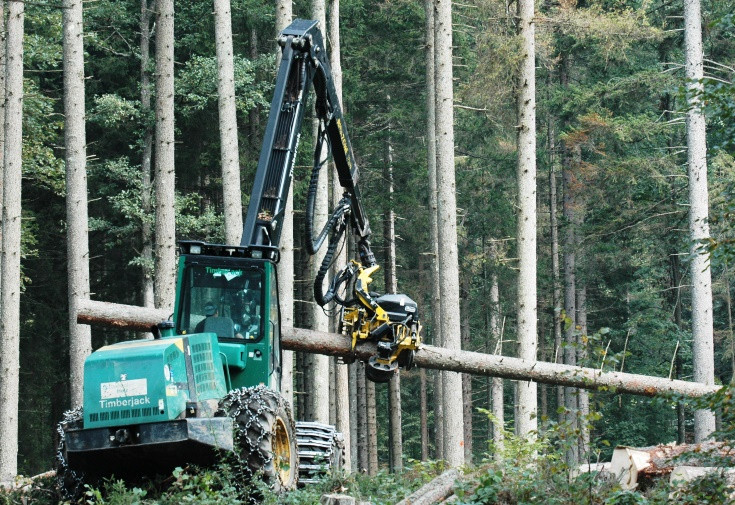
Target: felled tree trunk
point(333, 344)
point(433, 491)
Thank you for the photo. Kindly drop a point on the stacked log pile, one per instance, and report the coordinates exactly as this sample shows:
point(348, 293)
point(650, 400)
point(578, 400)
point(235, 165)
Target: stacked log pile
point(638, 468)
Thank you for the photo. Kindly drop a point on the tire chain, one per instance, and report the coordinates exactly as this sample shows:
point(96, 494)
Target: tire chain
point(257, 406)
point(69, 482)
point(254, 403)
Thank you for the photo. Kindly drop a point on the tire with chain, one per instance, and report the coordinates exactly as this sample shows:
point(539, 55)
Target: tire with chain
point(265, 435)
point(321, 451)
point(70, 483)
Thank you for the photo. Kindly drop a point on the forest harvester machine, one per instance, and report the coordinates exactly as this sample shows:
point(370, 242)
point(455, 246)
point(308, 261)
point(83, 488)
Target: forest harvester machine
point(207, 387)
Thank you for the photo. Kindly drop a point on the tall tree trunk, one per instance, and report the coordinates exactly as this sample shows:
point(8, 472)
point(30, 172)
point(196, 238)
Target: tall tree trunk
point(556, 291)
point(145, 161)
point(466, 378)
point(254, 114)
point(10, 287)
point(730, 335)
point(703, 346)
point(332, 390)
point(391, 286)
point(352, 399)
point(570, 306)
point(496, 387)
point(433, 225)
point(77, 240)
point(423, 415)
point(447, 227)
point(362, 419)
point(284, 13)
point(543, 356)
point(676, 285)
point(527, 423)
point(229, 152)
point(165, 258)
point(319, 390)
point(3, 69)
point(584, 398)
point(372, 428)
point(342, 392)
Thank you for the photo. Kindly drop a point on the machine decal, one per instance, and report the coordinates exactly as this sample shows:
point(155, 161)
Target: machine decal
point(123, 388)
point(344, 142)
point(229, 274)
point(128, 402)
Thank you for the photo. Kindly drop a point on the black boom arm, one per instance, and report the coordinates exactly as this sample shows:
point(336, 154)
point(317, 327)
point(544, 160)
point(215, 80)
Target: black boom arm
point(391, 320)
point(304, 62)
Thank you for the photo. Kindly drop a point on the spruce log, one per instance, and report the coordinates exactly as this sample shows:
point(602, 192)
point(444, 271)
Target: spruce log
point(116, 315)
point(433, 491)
point(333, 344)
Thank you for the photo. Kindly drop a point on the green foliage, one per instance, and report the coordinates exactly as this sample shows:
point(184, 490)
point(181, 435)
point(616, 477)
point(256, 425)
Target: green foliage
point(625, 498)
point(618, 104)
point(220, 485)
point(526, 473)
point(196, 84)
point(113, 111)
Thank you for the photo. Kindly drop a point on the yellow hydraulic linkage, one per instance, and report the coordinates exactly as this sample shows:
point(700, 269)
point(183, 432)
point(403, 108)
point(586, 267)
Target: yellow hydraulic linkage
point(390, 320)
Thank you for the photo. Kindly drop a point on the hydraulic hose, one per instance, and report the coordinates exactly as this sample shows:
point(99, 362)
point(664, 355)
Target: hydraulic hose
point(319, 296)
point(314, 244)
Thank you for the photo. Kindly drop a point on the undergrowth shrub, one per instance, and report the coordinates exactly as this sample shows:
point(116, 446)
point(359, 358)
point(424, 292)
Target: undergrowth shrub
point(221, 486)
point(523, 472)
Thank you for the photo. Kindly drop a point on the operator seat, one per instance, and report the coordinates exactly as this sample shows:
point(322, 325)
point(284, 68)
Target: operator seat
point(222, 326)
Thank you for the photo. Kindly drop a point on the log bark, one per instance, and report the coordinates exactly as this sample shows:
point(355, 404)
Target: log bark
point(342, 393)
point(77, 222)
point(11, 224)
point(437, 358)
point(702, 332)
point(165, 180)
point(447, 228)
point(229, 151)
point(433, 225)
point(146, 203)
point(284, 15)
point(115, 315)
point(526, 422)
point(433, 491)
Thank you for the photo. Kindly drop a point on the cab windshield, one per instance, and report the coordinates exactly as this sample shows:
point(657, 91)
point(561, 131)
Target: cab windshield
point(222, 300)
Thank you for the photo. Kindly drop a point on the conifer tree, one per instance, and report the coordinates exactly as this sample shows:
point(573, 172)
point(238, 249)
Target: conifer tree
point(703, 345)
point(10, 286)
point(165, 180)
point(526, 423)
point(447, 227)
point(77, 242)
point(229, 152)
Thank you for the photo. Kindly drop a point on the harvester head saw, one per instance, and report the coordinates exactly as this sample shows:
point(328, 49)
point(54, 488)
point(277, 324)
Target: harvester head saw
point(389, 320)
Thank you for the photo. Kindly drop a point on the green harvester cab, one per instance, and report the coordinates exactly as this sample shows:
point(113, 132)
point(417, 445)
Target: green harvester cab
point(152, 405)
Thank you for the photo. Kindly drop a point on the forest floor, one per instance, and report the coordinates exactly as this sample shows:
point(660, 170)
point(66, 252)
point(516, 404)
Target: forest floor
point(508, 480)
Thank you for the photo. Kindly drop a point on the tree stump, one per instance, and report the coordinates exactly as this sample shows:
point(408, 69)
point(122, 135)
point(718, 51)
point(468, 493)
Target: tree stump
point(337, 499)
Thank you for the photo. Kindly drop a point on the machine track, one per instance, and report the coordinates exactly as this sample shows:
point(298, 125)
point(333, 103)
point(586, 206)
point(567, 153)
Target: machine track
point(321, 450)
